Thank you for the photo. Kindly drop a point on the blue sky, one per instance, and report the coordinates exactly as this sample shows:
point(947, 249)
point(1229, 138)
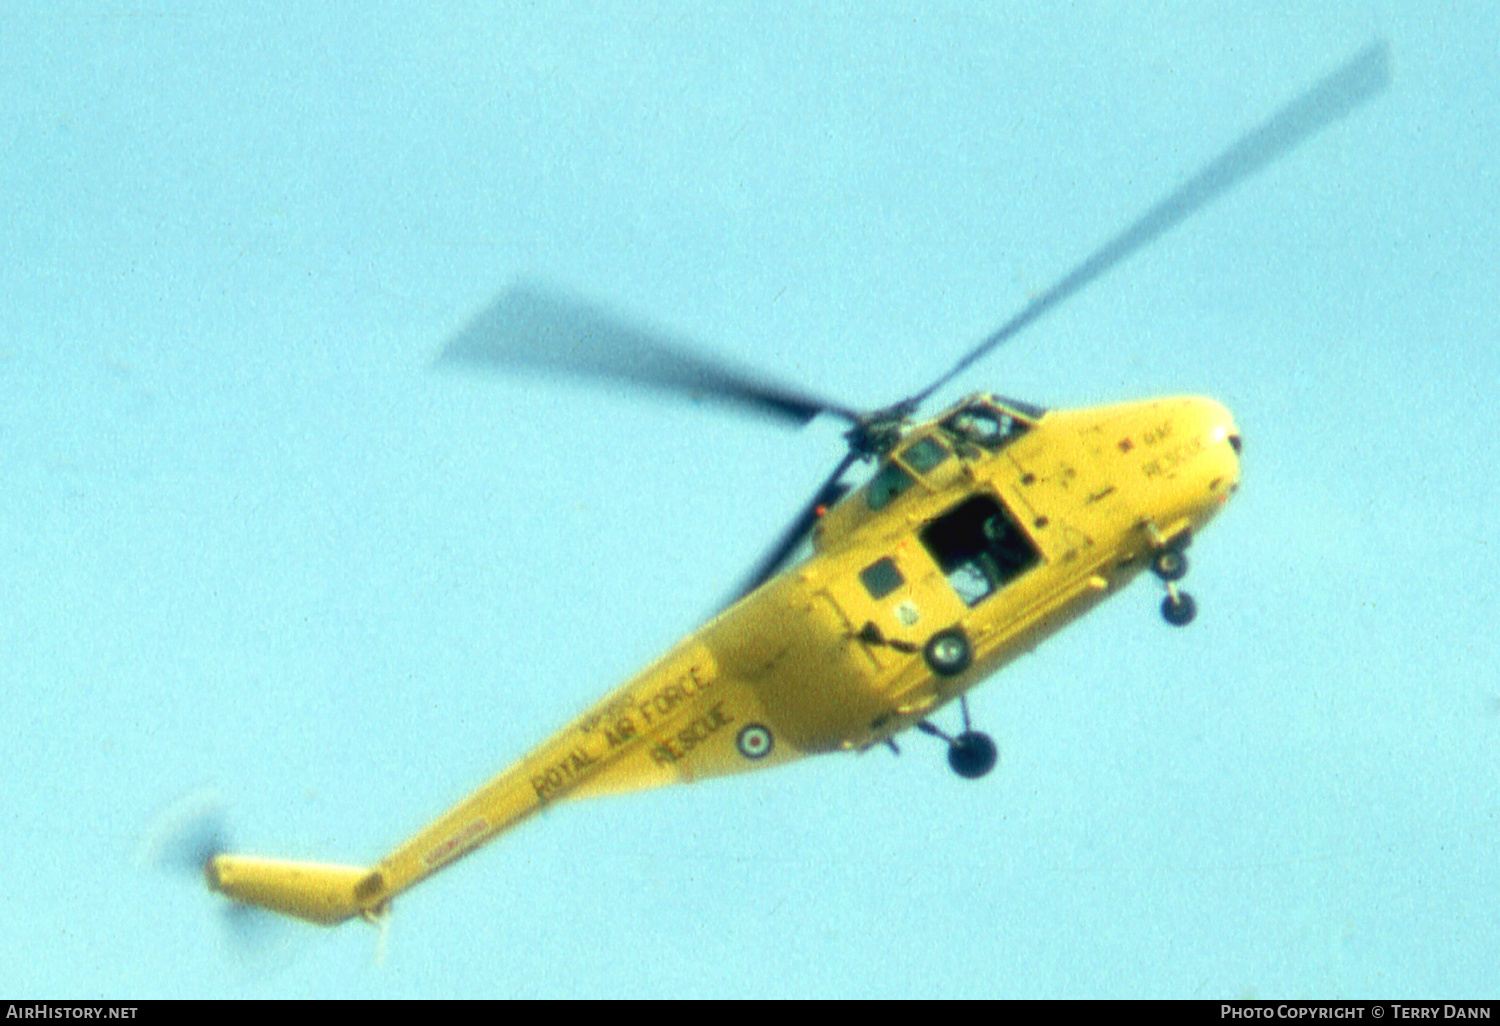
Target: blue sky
point(253, 542)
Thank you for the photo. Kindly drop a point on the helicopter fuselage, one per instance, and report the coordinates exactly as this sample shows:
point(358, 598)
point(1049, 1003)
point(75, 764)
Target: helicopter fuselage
point(834, 646)
point(982, 532)
point(983, 525)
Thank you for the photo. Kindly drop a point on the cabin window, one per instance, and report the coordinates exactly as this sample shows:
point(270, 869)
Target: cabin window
point(924, 454)
point(984, 425)
point(890, 481)
point(881, 578)
point(1025, 409)
point(979, 548)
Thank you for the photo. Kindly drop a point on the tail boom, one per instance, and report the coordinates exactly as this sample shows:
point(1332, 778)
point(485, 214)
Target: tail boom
point(313, 891)
point(676, 721)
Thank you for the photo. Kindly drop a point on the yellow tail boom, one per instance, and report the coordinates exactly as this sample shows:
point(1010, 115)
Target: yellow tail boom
point(678, 720)
point(317, 892)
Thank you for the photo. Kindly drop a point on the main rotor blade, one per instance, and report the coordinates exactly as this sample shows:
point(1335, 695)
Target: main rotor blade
point(1332, 99)
point(529, 328)
point(829, 493)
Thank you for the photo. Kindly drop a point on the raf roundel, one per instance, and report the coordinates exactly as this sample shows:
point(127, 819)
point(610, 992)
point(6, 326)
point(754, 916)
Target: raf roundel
point(754, 742)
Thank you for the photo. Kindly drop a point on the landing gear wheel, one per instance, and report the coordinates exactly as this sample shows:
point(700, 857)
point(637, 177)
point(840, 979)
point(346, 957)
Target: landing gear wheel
point(948, 652)
point(1169, 565)
point(972, 754)
point(1179, 609)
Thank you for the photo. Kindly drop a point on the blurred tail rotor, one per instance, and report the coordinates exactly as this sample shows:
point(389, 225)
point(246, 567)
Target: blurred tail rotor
point(188, 834)
point(183, 840)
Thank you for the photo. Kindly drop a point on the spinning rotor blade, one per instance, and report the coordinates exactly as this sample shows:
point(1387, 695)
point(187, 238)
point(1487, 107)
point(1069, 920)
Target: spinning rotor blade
point(529, 328)
point(831, 491)
point(1332, 99)
point(183, 840)
point(187, 835)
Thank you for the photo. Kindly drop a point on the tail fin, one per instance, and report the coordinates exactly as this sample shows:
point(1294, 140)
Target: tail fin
point(315, 892)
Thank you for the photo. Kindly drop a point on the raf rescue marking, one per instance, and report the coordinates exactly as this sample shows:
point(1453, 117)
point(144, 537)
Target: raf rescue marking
point(754, 742)
point(660, 705)
point(696, 731)
point(627, 719)
point(1173, 458)
point(566, 770)
point(1156, 434)
point(611, 709)
point(623, 717)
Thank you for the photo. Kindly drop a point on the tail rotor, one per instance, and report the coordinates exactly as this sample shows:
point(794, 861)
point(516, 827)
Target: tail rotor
point(183, 842)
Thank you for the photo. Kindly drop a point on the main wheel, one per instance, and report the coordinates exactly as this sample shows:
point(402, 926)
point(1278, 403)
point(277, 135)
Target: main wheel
point(972, 754)
point(948, 652)
point(1179, 612)
point(1169, 565)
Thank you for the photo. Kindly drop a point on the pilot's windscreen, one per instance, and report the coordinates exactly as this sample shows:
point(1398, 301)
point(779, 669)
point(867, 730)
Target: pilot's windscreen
point(985, 425)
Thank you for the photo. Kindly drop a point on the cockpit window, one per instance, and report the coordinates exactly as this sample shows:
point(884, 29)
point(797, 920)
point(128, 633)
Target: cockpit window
point(881, 578)
point(986, 426)
point(924, 454)
point(890, 481)
point(1025, 409)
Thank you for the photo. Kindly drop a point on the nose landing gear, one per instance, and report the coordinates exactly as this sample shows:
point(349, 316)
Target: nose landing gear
point(971, 754)
point(1169, 564)
point(1178, 608)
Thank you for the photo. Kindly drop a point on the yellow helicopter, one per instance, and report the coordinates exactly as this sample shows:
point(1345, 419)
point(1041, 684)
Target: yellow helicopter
point(982, 530)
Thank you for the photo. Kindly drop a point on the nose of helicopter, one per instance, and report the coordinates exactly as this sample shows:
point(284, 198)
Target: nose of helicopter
point(1190, 465)
point(1217, 475)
